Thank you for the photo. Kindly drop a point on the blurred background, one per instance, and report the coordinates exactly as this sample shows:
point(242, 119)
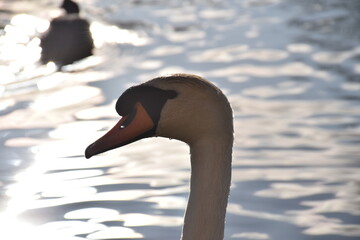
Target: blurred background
point(291, 70)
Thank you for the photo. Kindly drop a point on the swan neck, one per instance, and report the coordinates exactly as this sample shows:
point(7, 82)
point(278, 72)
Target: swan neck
point(209, 189)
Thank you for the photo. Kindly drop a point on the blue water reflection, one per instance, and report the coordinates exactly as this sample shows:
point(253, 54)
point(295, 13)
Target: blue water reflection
point(291, 71)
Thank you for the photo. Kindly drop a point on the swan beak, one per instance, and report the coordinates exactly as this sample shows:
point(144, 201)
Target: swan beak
point(130, 128)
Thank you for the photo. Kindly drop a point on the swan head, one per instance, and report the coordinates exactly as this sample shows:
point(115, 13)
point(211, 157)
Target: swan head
point(183, 107)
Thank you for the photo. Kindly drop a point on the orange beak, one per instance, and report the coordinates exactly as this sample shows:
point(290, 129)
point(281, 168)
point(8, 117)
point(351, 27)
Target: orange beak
point(121, 135)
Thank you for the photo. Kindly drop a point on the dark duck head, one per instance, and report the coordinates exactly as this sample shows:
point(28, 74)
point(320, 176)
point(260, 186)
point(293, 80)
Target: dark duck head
point(68, 38)
point(70, 7)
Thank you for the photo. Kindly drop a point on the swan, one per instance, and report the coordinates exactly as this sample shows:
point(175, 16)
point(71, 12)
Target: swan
point(193, 110)
point(68, 38)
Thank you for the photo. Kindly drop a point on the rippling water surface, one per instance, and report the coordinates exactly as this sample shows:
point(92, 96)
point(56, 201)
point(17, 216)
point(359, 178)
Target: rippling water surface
point(290, 68)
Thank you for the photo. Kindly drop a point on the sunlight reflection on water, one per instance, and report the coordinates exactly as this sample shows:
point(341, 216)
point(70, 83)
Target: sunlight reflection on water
point(20, 52)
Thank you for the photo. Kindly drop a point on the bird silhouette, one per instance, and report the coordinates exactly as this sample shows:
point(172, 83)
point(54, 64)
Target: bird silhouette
point(68, 38)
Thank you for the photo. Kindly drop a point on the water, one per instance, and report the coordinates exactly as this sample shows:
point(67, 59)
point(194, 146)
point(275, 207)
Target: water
point(291, 70)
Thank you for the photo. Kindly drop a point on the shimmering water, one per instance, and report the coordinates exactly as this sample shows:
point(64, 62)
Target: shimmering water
point(290, 68)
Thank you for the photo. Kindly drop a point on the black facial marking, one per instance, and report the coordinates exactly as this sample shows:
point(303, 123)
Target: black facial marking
point(153, 100)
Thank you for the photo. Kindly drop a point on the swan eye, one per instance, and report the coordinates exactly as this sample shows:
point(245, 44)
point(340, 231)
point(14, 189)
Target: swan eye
point(128, 119)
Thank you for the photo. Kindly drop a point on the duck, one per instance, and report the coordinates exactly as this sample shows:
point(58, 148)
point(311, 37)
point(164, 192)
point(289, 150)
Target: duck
point(68, 38)
point(191, 109)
